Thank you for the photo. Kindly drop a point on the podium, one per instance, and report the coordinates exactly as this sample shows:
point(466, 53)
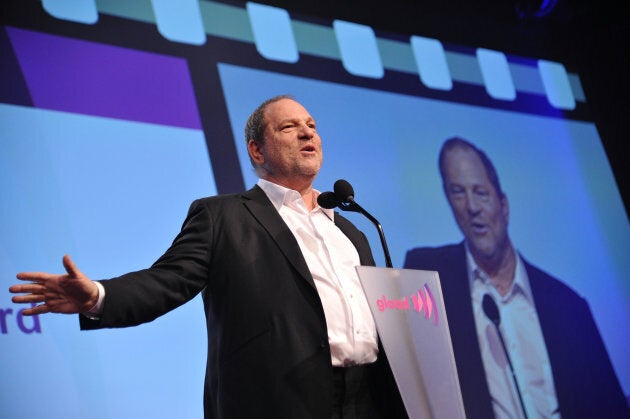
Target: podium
point(410, 317)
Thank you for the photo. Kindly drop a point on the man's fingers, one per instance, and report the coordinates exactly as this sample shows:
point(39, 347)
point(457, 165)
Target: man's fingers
point(34, 293)
point(29, 298)
point(33, 311)
point(71, 268)
point(34, 288)
point(34, 276)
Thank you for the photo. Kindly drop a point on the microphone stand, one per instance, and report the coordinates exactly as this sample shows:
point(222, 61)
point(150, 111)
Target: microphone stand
point(491, 310)
point(351, 205)
point(507, 355)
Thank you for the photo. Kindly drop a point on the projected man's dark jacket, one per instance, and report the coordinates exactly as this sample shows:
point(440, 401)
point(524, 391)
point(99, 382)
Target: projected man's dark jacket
point(585, 382)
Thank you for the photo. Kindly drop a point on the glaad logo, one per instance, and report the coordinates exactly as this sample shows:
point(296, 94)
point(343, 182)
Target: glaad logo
point(422, 302)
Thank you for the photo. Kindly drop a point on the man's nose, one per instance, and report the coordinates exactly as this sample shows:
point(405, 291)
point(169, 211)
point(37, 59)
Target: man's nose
point(472, 203)
point(306, 131)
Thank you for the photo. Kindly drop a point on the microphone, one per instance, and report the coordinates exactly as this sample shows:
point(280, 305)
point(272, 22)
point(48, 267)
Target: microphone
point(344, 191)
point(327, 200)
point(491, 311)
point(343, 198)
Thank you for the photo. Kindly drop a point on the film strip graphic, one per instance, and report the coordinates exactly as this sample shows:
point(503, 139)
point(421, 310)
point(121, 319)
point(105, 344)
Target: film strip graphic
point(278, 37)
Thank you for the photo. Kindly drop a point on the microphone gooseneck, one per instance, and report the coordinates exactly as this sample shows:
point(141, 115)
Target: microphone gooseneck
point(491, 310)
point(343, 198)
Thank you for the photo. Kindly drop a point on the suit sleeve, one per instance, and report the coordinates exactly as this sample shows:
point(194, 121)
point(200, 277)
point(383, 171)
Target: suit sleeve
point(175, 278)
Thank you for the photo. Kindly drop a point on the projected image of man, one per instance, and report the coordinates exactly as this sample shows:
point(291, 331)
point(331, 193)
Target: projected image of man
point(561, 367)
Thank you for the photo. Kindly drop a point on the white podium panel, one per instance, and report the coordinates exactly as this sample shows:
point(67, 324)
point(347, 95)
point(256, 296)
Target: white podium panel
point(408, 308)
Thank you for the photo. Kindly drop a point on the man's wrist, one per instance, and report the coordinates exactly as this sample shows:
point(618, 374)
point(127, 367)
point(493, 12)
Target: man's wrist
point(94, 313)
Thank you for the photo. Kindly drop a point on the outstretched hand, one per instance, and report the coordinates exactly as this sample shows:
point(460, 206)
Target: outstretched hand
point(69, 293)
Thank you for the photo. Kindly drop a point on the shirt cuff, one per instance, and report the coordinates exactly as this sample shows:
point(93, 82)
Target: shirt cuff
point(95, 312)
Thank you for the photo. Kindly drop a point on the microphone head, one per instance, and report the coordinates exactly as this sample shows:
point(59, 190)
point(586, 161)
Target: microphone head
point(491, 310)
point(344, 191)
point(327, 200)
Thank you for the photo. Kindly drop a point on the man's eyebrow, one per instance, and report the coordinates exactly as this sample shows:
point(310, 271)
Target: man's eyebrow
point(285, 120)
point(296, 119)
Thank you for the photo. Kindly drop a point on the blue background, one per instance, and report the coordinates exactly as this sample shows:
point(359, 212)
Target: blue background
point(113, 193)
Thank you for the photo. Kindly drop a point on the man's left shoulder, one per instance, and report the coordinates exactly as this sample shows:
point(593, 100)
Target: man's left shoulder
point(542, 281)
point(347, 227)
point(340, 219)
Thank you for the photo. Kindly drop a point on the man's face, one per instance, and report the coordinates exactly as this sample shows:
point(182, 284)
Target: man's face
point(482, 215)
point(292, 150)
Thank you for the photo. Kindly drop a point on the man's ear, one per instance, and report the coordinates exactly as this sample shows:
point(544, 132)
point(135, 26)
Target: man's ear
point(505, 207)
point(255, 152)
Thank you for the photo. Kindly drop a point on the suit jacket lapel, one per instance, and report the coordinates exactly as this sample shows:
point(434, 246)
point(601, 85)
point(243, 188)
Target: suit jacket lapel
point(358, 240)
point(265, 213)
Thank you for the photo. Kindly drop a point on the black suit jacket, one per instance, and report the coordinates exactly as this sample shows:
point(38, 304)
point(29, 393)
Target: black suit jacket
point(585, 382)
point(268, 351)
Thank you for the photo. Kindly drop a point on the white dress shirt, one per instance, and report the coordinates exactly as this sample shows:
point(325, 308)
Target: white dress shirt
point(331, 258)
point(525, 344)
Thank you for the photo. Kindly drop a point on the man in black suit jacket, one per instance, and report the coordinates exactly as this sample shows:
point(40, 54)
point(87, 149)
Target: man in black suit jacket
point(582, 383)
point(270, 348)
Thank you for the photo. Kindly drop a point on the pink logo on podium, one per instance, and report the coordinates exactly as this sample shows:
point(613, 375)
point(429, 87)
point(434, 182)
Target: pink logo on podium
point(421, 302)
